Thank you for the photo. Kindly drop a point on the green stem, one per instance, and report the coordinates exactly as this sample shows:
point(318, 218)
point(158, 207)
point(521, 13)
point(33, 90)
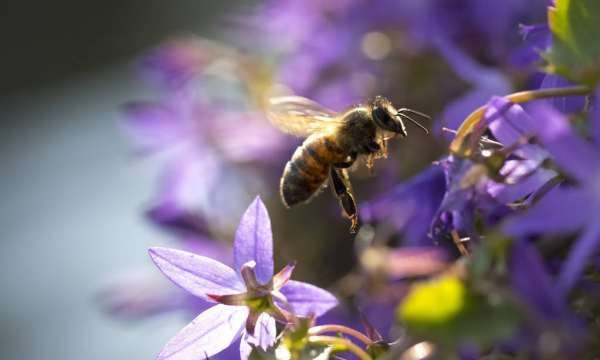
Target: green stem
point(456, 147)
point(340, 344)
point(316, 330)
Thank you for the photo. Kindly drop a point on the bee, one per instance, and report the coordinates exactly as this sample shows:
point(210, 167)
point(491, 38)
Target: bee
point(333, 143)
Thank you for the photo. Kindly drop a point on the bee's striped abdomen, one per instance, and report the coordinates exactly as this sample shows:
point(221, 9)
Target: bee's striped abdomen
point(308, 169)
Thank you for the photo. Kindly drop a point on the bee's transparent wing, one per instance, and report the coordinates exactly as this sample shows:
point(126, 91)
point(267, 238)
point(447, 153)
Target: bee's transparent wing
point(300, 116)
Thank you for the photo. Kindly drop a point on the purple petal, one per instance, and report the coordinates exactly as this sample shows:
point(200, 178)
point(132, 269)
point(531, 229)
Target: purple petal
point(565, 104)
point(525, 178)
point(536, 39)
point(172, 216)
point(457, 110)
point(264, 336)
point(151, 125)
point(470, 70)
point(246, 136)
point(510, 123)
point(584, 248)
point(190, 178)
point(507, 120)
point(174, 63)
point(211, 248)
point(283, 276)
point(208, 334)
point(410, 205)
point(595, 118)
point(487, 82)
point(139, 296)
point(307, 299)
point(533, 283)
point(561, 210)
point(254, 241)
point(197, 274)
point(576, 156)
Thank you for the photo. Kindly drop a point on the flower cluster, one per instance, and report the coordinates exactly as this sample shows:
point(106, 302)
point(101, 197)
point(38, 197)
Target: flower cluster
point(479, 241)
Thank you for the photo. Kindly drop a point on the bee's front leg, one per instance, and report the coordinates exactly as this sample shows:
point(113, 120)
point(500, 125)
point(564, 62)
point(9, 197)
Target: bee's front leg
point(340, 182)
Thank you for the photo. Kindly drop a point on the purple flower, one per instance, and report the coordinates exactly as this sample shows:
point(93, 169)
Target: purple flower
point(567, 209)
point(207, 128)
point(247, 299)
point(466, 197)
point(474, 186)
point(522, 173)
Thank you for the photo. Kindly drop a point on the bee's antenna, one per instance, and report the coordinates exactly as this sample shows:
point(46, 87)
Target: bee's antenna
point(411, 111)
point(402, 113)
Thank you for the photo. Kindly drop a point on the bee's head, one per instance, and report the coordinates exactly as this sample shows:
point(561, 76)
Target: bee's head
point(386, 116)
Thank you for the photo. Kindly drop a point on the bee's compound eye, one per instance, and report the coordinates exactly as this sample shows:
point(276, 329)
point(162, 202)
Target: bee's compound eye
point(384, 120)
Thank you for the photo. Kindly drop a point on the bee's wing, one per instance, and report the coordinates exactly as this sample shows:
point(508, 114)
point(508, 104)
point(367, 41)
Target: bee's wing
point(300, 116)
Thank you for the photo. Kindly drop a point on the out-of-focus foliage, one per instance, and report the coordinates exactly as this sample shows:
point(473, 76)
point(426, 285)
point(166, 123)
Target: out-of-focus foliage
point(575, 52)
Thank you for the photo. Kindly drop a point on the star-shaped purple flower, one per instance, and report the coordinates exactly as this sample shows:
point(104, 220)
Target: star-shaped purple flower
point(247, 300)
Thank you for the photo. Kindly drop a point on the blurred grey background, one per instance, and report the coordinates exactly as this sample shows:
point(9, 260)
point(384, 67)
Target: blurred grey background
point(72, 193)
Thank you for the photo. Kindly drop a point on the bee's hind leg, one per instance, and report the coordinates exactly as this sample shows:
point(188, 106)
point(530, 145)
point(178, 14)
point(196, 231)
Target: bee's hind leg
point(346, 164)
point(340, 182)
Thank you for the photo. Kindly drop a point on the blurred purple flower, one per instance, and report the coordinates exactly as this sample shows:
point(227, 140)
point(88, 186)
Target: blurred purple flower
point(139, 295)
point(486, 81)
point(567, 209)
point(487, 28)
point(175, 62)
point(536, 39)
point(184, 222)
point(533, 283)
point(246, 297)
point(206, 130)
point(409, 206)
point(545, 304)
point(339, 48)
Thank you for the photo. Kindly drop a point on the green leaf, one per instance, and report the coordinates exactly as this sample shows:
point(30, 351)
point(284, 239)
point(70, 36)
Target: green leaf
point(447, 311)
point(575, 52)
point(281, 352)
point(260, 354)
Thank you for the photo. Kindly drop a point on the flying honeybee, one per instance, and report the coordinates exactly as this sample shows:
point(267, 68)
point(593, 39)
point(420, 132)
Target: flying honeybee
point(333, 143)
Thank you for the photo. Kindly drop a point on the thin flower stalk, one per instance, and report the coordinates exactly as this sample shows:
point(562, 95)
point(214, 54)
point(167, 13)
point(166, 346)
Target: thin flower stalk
point(340, 344)
point(316, 330)
point(470, 123)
